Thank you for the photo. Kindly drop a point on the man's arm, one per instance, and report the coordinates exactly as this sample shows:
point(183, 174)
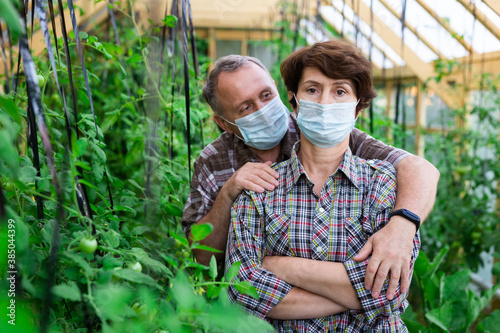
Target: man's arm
point(252, 176)
point(392, 246)
point(417, 181)
point(343, 282)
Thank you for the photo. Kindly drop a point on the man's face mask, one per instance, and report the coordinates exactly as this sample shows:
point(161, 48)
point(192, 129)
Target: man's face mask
point(264, 128)
point(326, 125)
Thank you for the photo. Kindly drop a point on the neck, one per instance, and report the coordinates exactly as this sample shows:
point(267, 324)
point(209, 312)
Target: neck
point(266, 155)
point(320, 163)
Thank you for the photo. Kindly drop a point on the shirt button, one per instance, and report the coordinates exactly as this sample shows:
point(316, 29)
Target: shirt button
point(321, 210)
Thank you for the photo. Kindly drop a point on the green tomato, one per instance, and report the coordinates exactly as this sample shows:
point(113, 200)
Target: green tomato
point(41, 80)
point(88, 245)
point(140, 309)
point(136, 267)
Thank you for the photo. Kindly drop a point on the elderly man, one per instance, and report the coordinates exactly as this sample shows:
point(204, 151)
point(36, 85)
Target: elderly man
point(260, 131)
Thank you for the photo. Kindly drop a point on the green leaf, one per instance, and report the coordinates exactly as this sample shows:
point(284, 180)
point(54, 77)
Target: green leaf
point(75, 258)
point(80, 147)
point(48, 230)
point(135, 58)
point(455, 286)
point(170, 21)
point(9, 106)
point(136, 277)
point(246, 288)
point(98, 171)
point(213, 291)
point(200, 231)
point(83, 35)
point(213, 268)
point(477, 304)
point(125, 209)
point(183, 293)
point(183, 241)
point(199, 246)
point(233, 271)
point(10, 15)
point(101, 155)
point(491, 323)
point(112, 301)
point(111, 238)
point(156, 266)
point(86, 183)
point(441, 317)
point(68, 291)
point(134, 183)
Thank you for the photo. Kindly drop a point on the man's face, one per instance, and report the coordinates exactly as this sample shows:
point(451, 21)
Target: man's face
point(243, 92)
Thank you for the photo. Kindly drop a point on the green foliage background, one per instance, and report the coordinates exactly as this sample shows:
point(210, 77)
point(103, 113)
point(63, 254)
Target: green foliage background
point(143, 134)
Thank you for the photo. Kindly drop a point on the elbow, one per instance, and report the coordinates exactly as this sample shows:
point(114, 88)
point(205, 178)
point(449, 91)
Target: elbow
point(418, 165)
point(432, 170)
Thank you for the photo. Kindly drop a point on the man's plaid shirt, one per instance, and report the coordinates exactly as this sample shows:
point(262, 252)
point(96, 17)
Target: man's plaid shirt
point(292, 220)
point(222, 158)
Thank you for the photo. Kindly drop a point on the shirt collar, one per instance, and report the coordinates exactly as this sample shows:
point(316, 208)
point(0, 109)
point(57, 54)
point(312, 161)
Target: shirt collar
point(295, 169)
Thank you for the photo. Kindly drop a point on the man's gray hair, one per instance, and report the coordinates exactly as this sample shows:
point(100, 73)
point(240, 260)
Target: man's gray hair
point(229, 64)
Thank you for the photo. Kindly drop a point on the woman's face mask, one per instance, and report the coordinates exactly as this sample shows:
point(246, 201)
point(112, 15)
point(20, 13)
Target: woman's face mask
point(326, 125)
point(264, 128)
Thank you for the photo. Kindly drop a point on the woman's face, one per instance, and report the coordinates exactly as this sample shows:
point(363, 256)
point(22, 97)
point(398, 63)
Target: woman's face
point(319, 88)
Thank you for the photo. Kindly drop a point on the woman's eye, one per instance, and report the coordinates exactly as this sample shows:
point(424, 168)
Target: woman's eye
point(311, 90)
point(340, 92)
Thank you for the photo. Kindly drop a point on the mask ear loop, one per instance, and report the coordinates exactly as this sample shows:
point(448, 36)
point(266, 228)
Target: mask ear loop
point(296, 101)
point(356, 119)
point(233, 125)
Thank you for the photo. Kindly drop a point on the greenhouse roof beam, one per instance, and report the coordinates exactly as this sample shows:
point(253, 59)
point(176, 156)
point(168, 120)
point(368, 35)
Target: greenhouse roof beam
point(494, 5)
point(481, 18)
point(412, 29)
point(421, 69)
point(329, 21)
point(446, 26)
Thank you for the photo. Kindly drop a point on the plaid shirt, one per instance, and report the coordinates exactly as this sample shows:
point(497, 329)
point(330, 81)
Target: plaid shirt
point(222, 158)
point(292, 220)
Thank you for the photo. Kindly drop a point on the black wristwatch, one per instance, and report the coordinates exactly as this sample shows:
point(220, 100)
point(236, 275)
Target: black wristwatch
point(412, 217)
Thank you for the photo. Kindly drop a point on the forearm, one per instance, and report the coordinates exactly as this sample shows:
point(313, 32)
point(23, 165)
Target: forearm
point(220, 217)
point(302, 304)
point(417, 184)
point(325, 278)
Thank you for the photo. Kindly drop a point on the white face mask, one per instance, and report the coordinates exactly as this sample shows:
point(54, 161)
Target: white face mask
point(264, 128)
point(326, 125)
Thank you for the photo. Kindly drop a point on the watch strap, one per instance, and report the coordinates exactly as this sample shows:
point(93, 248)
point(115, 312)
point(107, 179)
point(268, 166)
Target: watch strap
point(412, 217)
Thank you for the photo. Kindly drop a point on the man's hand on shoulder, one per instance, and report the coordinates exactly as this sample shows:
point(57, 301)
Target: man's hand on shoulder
point(256, 177)
point(392, 248)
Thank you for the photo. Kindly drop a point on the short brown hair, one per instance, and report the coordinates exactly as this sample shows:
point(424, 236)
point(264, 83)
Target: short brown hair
point(229, 63)
point(336, 59)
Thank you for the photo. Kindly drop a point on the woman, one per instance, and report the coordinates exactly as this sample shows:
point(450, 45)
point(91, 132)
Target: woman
point(296, 243)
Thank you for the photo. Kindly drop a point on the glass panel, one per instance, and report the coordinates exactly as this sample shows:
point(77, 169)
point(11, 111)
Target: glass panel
point(463, 23)
point(407, 103)
point(334, 13)
point(438, 114)
point(262, 51)
point(226, 47)
point(431, 30)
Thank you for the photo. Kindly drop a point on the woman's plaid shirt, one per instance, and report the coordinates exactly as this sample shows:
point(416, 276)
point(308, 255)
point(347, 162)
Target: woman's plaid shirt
point(292, 220)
